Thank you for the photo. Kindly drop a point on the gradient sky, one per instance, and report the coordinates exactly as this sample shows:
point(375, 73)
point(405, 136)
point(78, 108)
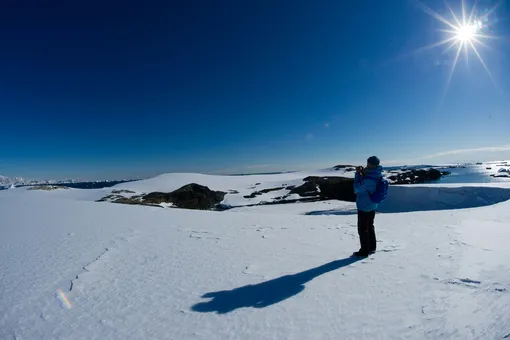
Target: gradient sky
point(105, 89)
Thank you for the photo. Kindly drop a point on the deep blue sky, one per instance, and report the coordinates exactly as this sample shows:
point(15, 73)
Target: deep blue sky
point(105, 89)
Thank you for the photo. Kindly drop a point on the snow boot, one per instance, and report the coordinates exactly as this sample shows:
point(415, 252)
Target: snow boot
point(360, 253)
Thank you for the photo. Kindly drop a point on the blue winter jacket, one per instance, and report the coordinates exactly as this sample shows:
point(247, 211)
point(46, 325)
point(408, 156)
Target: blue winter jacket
point(365, 184)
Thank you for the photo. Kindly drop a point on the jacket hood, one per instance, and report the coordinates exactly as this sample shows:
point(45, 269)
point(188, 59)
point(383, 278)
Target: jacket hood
point(376, 172)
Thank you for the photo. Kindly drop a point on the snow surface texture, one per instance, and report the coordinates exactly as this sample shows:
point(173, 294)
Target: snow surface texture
point(76, 269)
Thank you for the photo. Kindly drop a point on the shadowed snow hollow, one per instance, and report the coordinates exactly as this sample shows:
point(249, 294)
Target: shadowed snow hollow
point(426, 198)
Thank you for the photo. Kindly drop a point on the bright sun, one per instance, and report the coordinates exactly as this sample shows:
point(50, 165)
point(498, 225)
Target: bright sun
point(464, 32)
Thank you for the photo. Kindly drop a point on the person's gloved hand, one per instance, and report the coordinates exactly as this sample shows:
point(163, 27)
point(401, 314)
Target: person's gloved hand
point(360, 170)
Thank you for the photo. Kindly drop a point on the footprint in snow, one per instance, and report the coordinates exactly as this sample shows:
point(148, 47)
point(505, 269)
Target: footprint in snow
point(470, 281)
point(253, 270)
point(457, 243)
point(193, 231)
point(203, 235)
point(250, 269)
point(389, 248)
point(498, 287)
point(466, 282)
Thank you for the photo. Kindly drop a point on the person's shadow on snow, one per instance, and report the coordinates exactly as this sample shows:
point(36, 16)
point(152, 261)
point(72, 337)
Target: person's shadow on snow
point(266, 293)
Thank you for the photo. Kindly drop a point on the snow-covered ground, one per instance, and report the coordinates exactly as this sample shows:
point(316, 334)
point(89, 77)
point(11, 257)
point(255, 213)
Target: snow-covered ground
point(72, 268)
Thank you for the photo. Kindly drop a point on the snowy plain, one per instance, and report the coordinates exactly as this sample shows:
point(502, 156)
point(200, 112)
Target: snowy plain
point(265, 272)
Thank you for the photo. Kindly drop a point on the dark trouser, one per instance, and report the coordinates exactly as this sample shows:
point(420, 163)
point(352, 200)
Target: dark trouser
point(366, 231)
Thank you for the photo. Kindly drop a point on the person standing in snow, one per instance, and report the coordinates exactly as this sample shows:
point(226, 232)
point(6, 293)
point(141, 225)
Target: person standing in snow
point(365, 184)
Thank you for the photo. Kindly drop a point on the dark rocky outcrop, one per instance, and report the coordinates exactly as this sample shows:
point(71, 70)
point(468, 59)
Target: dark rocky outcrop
point(158, 197)
point(500, 175)
point(346, 167)
point(503, 172)
point(134, 201)
point(333, 187)
point(307, 189)
point(190, 196)
point(415, 176)
point(339, 188)
point(456, 166)
point(434, 174)
point(121, 191)
point(109, 198)
point(47, 187)
point(278, 200)
point(260, 192)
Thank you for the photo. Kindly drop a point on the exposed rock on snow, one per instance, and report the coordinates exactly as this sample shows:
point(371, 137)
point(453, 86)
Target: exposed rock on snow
point(501, 175)
point(258, 193)
point(503, 172)
point(133, 200)
point(47, 187)
point(190, 196)
point(414, 176)
point(122, 191)
point(315, 188)
point(308, 189)
point(344, 167)
point(340, 188)
point(434, 174)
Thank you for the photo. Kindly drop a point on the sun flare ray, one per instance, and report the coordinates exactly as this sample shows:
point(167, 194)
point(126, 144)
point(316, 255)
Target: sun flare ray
point(439, 43)
point(481, 60)
point(452, 70)
point(459, 24)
